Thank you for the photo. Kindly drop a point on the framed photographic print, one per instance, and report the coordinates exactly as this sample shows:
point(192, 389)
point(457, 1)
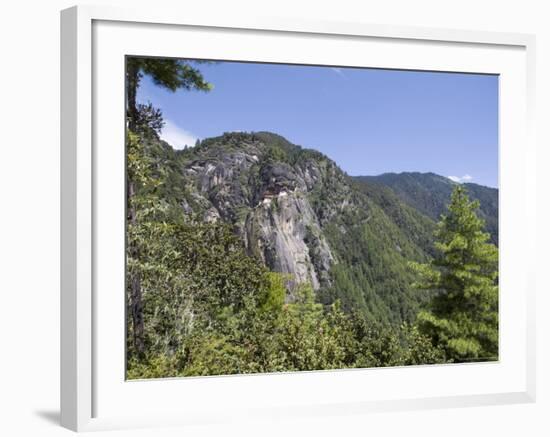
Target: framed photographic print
point(268, 218)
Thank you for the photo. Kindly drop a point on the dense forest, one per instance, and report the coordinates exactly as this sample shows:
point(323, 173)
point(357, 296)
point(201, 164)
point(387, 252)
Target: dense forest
point(247, 253)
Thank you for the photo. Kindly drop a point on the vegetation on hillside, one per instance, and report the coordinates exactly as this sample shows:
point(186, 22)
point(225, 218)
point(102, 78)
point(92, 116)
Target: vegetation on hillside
point(209, 308)
point(430, 194)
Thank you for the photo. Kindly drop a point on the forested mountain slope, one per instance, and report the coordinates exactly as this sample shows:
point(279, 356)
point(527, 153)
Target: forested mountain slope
point(430, 193)
point(301, 215)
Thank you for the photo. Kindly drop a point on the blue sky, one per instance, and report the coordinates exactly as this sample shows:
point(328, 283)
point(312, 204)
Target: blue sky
point(369, 121)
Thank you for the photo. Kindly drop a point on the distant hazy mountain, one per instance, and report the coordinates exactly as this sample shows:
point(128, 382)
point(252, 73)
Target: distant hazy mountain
point(429, 193)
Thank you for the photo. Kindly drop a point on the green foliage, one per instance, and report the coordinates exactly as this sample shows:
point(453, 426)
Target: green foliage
point(372, 275)
point(306, 337)
point(148, 119)
point(418, 227)
point(463, 315)
point(211, 309)
point(292, 337)
point(275, 293)
point(281, 150)
point(171, 74)
point(429, 194)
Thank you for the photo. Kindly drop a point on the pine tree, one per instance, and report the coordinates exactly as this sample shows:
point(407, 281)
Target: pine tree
point(463, 315)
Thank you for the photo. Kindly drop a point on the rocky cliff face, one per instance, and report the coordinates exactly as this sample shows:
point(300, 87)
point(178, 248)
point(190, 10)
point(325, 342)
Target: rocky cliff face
point(272, 199)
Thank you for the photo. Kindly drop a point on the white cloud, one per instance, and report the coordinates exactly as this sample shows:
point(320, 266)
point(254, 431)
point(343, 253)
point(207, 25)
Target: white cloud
point(461, 179)
point(177, 137)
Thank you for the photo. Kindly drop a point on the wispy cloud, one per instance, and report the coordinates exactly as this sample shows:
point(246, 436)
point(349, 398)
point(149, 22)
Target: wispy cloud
point(461, 179)
point(339, 72)
point(177, 137)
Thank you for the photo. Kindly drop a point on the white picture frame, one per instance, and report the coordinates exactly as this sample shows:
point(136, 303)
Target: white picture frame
point(93, 388)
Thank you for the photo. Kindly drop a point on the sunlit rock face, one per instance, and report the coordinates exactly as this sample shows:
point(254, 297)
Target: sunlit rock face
point(277, 202)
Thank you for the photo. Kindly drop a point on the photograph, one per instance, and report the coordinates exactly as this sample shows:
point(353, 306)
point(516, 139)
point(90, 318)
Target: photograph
point(289, 217)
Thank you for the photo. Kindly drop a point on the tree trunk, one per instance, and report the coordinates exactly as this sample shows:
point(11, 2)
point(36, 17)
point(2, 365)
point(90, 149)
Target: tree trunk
point(136, 302)
point(132, 79)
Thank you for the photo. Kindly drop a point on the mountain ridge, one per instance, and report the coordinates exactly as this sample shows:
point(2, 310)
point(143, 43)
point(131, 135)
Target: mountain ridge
point(296, 210)
point(430, 193)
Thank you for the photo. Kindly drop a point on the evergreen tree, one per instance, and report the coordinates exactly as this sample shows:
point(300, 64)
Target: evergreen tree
point(463, 314)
